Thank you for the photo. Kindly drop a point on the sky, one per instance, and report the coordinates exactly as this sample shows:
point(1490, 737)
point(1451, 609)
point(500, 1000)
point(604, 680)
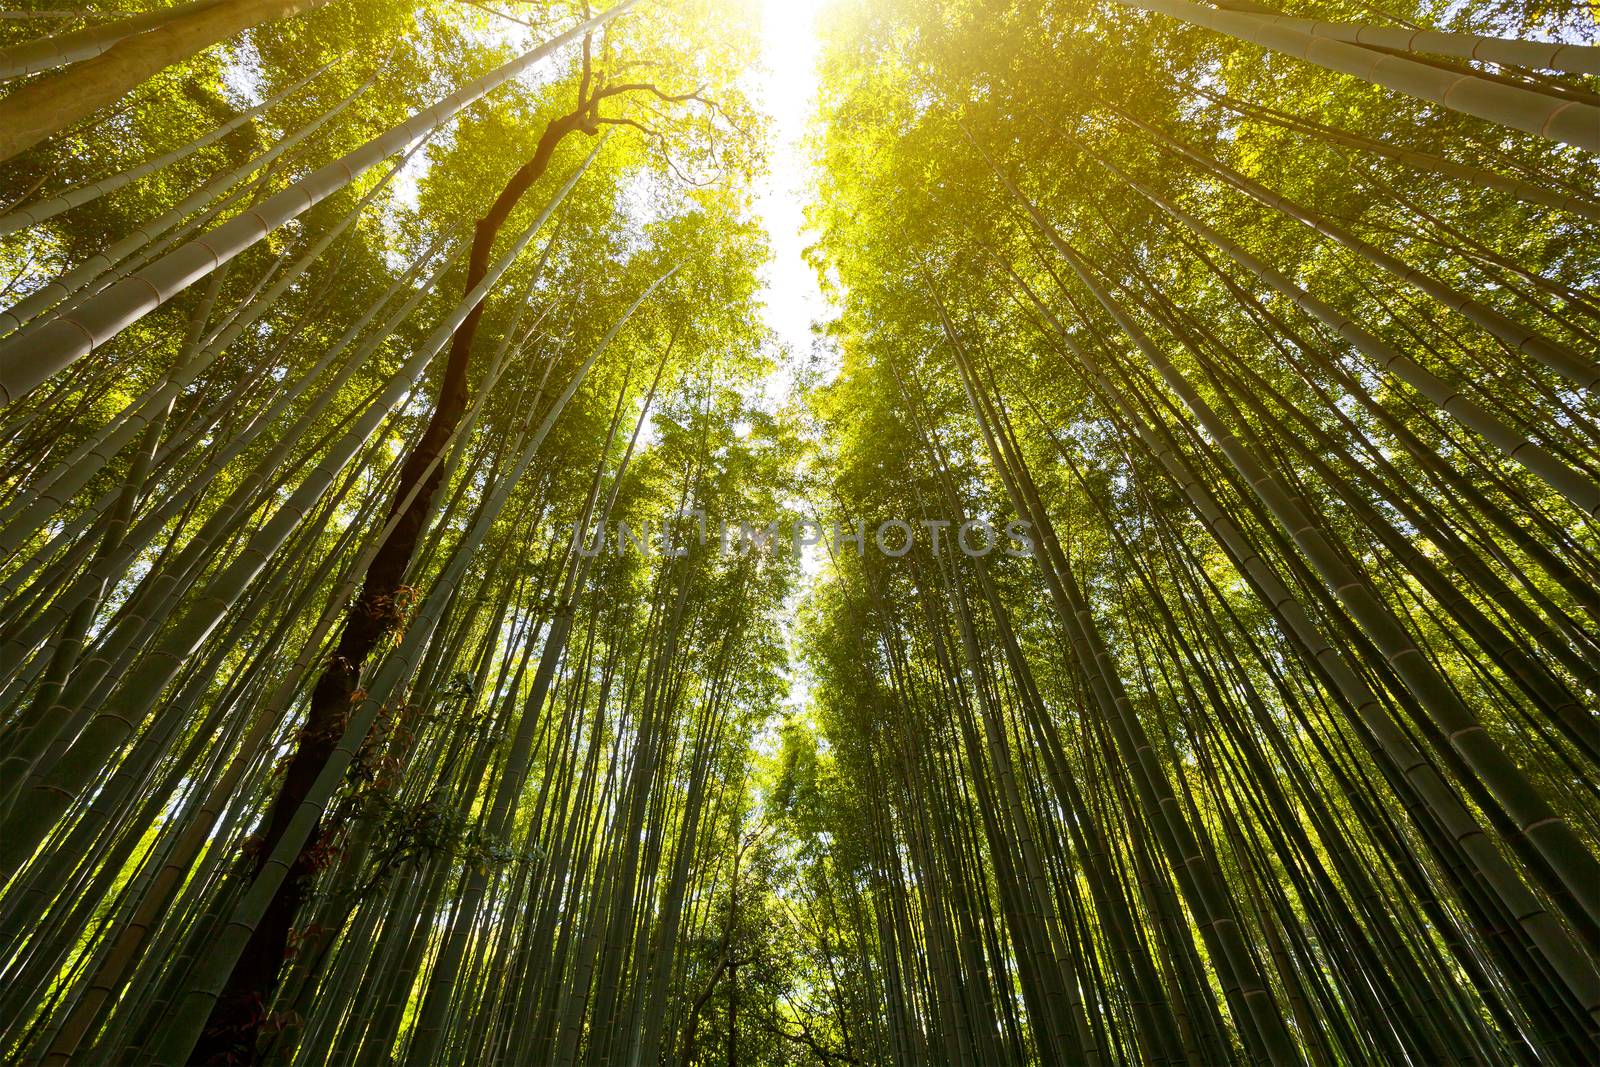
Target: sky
point(786, 82)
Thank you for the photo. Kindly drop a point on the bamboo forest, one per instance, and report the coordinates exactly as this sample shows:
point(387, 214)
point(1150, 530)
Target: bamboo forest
point(800, 533)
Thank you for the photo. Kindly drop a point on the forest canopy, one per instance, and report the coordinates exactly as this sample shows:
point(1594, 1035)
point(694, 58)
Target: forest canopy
point(1152, 615)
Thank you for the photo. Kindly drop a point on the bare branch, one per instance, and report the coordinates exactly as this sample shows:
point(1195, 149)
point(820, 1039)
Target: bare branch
point(647, 131)
point(651, 87)
point(501, 14)
point(583, 86)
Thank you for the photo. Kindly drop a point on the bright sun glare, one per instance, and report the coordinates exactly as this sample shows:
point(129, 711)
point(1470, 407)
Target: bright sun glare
point(787, 83)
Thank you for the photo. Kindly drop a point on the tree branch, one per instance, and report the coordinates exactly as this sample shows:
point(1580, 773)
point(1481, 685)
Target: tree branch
point(651, 87)
point(588, 71)
point(501, 14)
point(641, 127)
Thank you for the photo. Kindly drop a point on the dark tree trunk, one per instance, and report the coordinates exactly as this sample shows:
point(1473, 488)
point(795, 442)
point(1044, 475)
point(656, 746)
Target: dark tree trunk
point(239, 1016)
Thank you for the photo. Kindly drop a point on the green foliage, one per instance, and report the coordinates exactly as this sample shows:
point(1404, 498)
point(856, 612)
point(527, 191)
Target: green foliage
point(1280, 746)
